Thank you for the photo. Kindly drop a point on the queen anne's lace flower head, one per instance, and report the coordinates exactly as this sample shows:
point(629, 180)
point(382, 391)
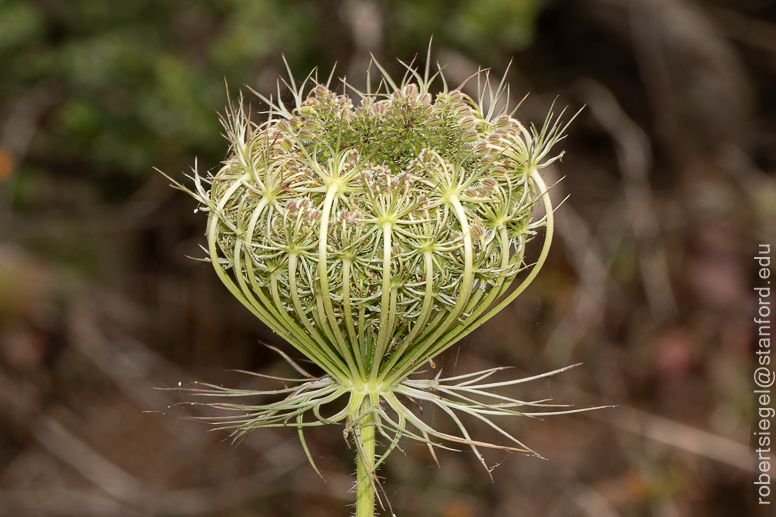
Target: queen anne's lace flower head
point(374, 234)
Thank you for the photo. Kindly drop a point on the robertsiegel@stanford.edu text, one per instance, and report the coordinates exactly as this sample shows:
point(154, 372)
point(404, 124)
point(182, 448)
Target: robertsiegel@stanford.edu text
point(764, 374)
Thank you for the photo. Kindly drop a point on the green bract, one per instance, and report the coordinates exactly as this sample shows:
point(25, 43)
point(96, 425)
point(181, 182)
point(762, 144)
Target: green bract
point(372, 235)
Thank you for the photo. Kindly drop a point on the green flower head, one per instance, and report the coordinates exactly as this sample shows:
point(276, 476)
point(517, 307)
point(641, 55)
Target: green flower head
point(372, 231)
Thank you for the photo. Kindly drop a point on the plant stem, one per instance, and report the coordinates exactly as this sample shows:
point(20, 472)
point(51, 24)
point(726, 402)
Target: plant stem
point(365, 459)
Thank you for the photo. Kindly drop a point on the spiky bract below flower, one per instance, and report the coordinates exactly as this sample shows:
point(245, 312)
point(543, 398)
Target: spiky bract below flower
point(374, 235)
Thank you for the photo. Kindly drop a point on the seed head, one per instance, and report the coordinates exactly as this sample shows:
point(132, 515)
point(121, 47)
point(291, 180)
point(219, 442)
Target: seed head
point(378, 225)
point(374, 235)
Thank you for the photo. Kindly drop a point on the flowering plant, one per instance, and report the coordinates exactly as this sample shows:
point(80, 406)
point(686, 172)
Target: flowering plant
point(372, 236)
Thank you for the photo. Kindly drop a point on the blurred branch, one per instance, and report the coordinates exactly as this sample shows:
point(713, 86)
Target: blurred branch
point(694, 80)
point(585, 254)
point(137, 494)
point(108, 477)
point(634, 157)
point(740, 166)
point(59, 501)
point(658, 429)
point(582, 495)
point(591, 501)
point(645, 23)
point(751, 31)
point(680, 436)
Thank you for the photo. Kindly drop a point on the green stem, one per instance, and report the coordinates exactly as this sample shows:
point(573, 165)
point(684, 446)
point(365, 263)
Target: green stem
point(365, 460)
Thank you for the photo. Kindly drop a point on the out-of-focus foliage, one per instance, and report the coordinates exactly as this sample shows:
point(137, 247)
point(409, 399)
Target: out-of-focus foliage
point(485, 26)
point(135, 84)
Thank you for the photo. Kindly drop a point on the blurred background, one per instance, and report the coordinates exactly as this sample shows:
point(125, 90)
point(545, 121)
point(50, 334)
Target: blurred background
point(669, 171)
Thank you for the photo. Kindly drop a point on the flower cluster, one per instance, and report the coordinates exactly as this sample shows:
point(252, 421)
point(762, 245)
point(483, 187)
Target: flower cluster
point(371, 236)
point(374, 235)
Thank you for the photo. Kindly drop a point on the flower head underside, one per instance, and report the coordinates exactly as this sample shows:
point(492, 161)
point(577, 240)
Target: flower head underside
point(372, 231)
